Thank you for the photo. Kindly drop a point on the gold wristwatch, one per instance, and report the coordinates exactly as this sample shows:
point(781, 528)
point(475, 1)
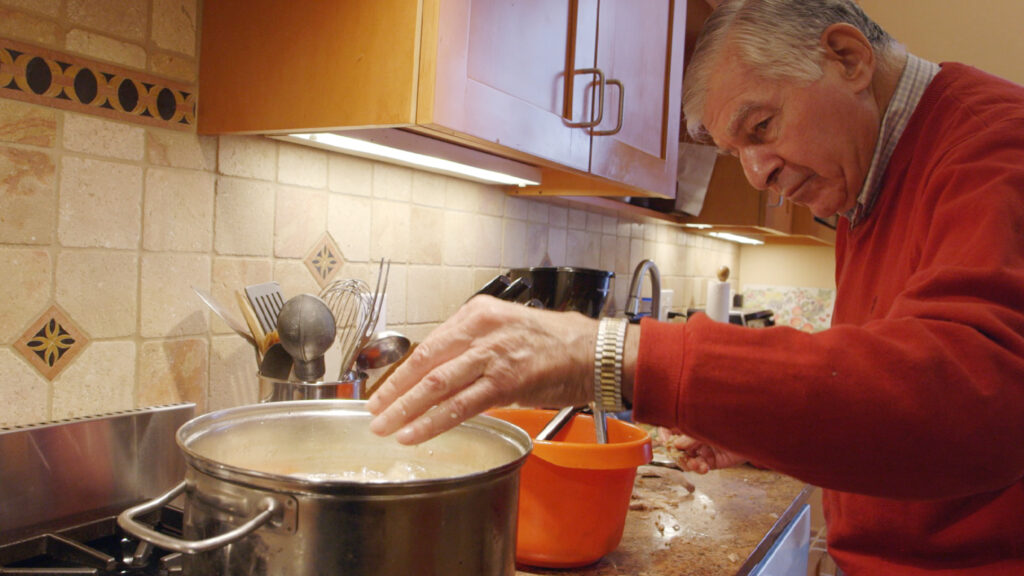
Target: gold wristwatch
point(611, 344)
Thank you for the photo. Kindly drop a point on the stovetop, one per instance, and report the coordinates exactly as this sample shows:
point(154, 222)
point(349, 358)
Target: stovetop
point(62, 485)
point(99, 548)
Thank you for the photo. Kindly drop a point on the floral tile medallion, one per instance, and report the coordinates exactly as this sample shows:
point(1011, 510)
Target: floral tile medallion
point(52, 342)
point(324, 260)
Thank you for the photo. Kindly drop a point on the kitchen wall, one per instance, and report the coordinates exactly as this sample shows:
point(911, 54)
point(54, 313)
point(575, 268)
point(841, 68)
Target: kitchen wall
point(107, 219)
point(982, 34)
point(796, 265)
point(796, 282)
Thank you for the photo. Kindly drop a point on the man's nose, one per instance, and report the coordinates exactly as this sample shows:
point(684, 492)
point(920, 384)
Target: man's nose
point(760, 165)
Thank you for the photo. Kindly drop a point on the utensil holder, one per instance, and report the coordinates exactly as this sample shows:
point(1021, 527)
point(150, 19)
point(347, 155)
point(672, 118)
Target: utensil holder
point(349, 387)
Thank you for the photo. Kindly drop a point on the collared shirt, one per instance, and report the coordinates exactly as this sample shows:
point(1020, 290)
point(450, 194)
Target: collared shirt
point(916, 76)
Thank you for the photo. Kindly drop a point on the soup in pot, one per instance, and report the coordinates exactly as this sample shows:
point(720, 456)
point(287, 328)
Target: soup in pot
point(337, 446)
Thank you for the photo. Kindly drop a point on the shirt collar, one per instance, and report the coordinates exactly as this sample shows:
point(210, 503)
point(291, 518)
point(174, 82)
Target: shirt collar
point(917, 74)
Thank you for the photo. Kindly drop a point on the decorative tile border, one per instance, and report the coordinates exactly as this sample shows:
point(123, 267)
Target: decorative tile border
point(324, 260)
point(51, 342)
point(40, 76)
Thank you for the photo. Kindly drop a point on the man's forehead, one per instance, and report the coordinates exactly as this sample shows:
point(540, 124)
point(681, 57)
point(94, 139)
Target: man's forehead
point(734, 91)
point(729, 91)
point(725, 113)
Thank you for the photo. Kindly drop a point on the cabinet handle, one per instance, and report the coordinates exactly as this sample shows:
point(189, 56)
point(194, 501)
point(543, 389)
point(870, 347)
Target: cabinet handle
point(777, 204)
point(600, 99)
point(618, 122)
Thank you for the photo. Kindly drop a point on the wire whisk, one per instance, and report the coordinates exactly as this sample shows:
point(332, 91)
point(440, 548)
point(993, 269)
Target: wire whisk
point(349, 301)
point(357, 311)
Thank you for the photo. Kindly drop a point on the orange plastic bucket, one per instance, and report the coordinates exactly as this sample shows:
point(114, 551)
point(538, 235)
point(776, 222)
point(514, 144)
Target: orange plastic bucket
point(574, 493)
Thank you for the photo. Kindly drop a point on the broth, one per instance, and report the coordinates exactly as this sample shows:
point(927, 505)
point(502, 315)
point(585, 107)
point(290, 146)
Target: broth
point(326, 447)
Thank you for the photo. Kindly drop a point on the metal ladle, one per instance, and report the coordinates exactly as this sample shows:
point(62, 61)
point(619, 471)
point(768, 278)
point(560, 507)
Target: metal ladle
point(384, 348)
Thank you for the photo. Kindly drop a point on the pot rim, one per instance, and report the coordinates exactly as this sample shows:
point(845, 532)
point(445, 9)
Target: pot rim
point(564, 269)
point(509, 432)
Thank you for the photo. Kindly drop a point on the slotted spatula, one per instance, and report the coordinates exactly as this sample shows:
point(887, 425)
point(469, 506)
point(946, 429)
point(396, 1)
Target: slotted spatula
point(266, 300)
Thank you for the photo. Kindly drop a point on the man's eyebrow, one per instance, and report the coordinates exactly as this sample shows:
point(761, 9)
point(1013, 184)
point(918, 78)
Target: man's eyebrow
point(739, 116)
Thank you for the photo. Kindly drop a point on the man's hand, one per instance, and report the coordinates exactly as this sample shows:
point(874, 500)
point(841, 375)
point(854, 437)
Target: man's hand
point(697, 456)
point(488, 353)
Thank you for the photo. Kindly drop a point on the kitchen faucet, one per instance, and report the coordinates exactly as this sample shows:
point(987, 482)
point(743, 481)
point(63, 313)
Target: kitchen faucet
point(633, 301)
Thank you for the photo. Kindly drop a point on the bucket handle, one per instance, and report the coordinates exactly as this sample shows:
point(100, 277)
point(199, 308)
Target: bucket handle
point(268, 507)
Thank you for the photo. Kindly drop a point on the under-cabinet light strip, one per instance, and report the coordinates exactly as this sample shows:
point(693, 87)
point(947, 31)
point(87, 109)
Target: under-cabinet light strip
point(736, 238)
point(371, 149)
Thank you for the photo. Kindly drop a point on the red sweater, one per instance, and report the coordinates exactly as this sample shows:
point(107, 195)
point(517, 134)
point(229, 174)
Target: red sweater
point(909, 411)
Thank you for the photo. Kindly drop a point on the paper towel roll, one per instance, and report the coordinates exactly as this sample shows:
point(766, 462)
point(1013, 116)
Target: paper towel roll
point(718, 301)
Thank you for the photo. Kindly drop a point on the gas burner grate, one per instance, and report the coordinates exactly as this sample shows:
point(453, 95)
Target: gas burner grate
point(98, 548)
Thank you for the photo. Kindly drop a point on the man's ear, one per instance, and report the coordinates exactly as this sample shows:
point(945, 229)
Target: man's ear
point(845, 46)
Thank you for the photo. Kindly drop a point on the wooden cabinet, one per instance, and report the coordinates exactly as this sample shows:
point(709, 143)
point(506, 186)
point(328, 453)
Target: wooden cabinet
point(639, 49)
point(635, 48)
point(733, 205)
point(805, 226)
point(499, 76)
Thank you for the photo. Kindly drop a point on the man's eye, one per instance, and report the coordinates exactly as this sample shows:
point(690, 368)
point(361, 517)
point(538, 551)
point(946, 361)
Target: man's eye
point(762, 126)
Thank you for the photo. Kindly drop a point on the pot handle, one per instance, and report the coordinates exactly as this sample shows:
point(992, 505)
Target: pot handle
point(126, 520)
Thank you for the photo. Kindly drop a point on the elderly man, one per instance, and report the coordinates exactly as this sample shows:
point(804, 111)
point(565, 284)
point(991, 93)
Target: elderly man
point(909, 410)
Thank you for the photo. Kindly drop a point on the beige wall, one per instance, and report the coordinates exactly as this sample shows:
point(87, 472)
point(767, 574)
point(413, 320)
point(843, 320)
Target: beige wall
point(114, 221)
point(803, 266)
point(988, 34)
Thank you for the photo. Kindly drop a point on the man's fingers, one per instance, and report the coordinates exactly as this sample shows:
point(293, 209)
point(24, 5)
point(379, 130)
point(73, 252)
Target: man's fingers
point(684, 442)
point(412, 399)
point(487, 353)
point(449, 413)
point(401, 380)
point(428, 355)
point(446, 342)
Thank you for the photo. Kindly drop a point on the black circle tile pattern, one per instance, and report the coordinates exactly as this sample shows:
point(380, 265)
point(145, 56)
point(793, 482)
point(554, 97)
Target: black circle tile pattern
point(166, 103)
point(86, 86)
point(71, 82)
point(127, 95)
point(38, 75)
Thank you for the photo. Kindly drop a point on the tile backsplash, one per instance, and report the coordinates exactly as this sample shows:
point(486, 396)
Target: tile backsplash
point(107, 223)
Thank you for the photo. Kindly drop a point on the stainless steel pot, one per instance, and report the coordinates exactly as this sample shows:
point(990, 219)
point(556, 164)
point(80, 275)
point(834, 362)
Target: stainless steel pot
point(274, 489)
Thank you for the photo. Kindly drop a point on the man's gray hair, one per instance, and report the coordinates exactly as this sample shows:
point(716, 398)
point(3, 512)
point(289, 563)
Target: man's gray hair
point(778, 38)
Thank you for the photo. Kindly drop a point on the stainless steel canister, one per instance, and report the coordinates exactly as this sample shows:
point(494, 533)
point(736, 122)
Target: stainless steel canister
point(304, 488)
point(349, 387)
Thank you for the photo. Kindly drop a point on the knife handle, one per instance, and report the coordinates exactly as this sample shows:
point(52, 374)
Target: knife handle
point(515, 289)
point(496, 286)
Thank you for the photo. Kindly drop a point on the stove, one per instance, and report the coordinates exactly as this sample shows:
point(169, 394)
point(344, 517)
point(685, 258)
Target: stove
point(62, 485)
point(98, 548)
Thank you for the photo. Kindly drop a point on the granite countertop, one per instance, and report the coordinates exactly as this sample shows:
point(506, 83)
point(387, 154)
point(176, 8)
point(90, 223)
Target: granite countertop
point(724, 527)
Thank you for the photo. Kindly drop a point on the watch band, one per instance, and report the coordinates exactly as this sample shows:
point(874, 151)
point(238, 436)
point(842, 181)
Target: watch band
point(608, 353)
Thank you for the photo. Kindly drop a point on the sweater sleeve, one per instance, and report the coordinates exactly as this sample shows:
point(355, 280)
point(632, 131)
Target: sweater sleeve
point(922, 400)
point(860, 409)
